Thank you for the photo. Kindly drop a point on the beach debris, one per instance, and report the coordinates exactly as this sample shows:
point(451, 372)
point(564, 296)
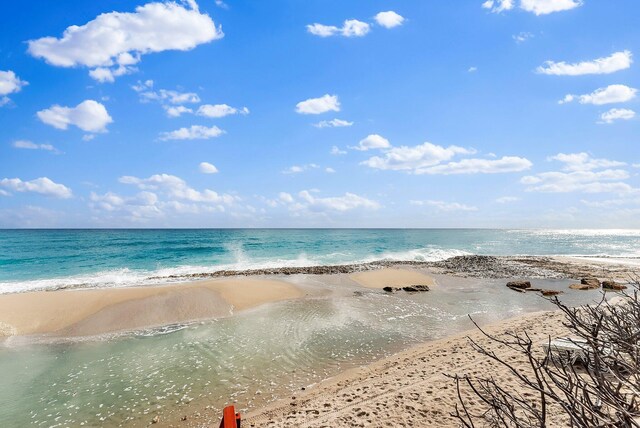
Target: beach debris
point(548, 293)
point(519, 285)
point(408, 288)
point(155, 419)
point(612, 285)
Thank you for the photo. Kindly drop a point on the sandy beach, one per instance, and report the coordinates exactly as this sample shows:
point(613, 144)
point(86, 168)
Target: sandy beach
point(409, 388)
point(69, 313)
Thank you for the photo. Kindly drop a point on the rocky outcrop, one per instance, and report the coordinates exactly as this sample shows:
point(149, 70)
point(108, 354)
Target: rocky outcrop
point(521, 285)
point(549, 293)
point(408, 288)
point(588, 283)
point(612, 285)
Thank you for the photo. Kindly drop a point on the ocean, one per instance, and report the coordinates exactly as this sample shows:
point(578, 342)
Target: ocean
point(48, 259)
point(257, 355)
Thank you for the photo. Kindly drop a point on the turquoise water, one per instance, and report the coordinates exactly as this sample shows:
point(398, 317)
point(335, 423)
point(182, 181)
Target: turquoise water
point(40, 259)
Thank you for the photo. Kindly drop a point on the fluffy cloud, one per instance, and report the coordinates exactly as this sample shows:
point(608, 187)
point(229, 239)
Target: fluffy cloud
point(89, 115)
point(172, 101)
point(208, 168)
point(617, 114)
point(350, 28)
point(348, 202)
point(177, 188)
point(497, 6)
point(609, 95)
point(445, 206)
point(334, 123)
point(580, 173)
point(406, 158)
point(42, 186)
point(113, 43)
point(297, 169)
point(583, 162)
point(430, 158)
point(373, 141)
point(544, 7)
point(29, 145)
point(195, 132)
point(479, 166)
point(538, 7)
point(606, 65)
point(219, 110)
point(335, 150)
point(389, 19)
point(319, 105)
point(9, 84)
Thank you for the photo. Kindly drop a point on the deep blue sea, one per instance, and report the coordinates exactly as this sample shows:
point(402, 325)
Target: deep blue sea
point(42, 259)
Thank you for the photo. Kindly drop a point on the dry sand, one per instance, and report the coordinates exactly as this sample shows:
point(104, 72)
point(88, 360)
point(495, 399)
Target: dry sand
point(391, 277)
point(409, 389)
point(92, 312)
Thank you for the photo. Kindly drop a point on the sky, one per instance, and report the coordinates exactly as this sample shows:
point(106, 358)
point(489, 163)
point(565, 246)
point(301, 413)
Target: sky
point(320, 113)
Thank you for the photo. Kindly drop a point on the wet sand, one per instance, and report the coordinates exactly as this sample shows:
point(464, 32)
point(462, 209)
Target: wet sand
point(92, 312)
point(391, 277)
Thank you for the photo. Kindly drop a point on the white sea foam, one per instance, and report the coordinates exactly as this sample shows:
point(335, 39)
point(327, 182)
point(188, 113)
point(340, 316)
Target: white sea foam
point(128, 277)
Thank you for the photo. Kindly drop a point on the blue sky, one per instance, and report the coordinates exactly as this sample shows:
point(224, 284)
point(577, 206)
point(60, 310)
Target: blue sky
point(511, 113)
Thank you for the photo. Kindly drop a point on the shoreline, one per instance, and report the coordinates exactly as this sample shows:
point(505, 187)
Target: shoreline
point(408, 386)
point(84, 312)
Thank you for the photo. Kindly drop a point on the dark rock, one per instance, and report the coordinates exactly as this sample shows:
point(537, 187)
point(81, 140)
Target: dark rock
point(591, 281)
point(389, 289)
point(523, 285)
point(416, 288)
point(550, 292)
point(612, 285)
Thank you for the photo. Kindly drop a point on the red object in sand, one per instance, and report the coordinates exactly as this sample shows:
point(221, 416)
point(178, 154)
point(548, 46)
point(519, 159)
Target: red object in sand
point(230, 419)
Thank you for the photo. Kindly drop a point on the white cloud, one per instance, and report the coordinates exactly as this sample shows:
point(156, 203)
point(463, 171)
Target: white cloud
point(445, 206)
point(334, 123)
point(609, 95)
point(113, 43)
point(336, 151)
point(29, 145)
point(617, 114)
point(89, 115)
point(507, 199)
point(581, 173)
point(406, 158)
point(42, 185)
point(319, 105)
point(606, 65)
point(195, 132)
point(350, 28)
point(177, 188)
point(479, 166)
point(389, 19)
point(219, 110)
point(164, 96)
point(583, 162)
point(285, 197)
point(297, 169)
point(373, 141)
point(329, 170)
point(497, 6)
point(207, 168)
point(9, 84)
point(348, 202)
point(543, 7)
point(177, 111)
point(472, 69)
point(522, 37)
